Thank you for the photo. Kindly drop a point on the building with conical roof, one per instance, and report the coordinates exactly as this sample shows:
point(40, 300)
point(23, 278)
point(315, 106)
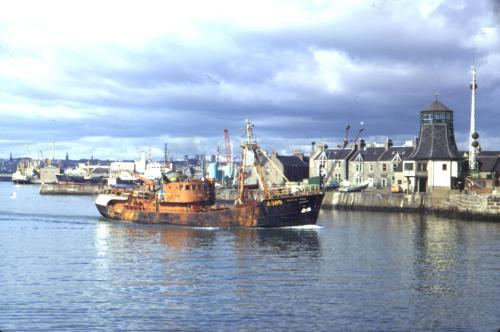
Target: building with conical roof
point(435, 162)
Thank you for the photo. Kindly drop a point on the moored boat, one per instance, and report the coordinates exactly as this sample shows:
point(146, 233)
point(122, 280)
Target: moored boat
point(355, 188)
point(80, 179)
point(19, 177)
point(81, 176)
point(26, 172)
point(191, 202)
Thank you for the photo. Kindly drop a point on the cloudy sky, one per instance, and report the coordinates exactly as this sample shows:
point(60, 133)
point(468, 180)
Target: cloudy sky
point(113, 78)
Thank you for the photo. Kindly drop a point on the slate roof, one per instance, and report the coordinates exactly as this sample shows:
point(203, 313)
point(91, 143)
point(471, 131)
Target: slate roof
point(436, 105)
point(291, 161)
point(435, 143)
point(489, 153)
point(337, 154)
point(488, 163)
point(369, 153)
point(390, 153)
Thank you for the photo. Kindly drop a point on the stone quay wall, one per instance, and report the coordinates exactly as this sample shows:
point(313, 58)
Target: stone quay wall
point(70, 189)
point(450, 203)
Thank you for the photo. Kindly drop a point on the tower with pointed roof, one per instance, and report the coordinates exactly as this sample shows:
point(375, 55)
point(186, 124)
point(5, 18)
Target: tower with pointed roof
point(434, 164)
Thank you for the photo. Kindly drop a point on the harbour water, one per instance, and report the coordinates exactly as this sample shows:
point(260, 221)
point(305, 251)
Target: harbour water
point(64, 268)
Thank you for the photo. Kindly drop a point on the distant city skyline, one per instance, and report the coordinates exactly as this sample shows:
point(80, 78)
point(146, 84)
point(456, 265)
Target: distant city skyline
point(111, 79)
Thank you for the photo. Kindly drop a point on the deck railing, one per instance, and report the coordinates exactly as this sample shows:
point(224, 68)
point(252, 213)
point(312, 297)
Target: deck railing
point(294, 190)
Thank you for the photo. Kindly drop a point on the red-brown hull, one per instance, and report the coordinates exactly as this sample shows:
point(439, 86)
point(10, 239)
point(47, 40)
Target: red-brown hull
point(277, 212)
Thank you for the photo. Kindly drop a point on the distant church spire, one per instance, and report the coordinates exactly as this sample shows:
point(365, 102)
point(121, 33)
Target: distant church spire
point(473, 143)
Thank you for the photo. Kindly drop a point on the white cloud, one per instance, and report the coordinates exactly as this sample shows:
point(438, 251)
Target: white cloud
point(131, 69)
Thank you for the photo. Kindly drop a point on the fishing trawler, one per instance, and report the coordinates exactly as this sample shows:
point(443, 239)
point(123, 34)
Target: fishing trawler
point(191, 202)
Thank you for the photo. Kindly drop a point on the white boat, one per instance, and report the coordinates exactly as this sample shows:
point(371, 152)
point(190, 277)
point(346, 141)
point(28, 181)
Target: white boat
point(355, 188)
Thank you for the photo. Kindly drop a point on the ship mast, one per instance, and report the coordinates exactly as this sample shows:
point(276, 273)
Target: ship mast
point(250, 146)
point(473, 143)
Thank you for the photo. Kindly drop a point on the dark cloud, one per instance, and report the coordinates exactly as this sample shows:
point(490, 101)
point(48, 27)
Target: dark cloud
point(496, 8)
point(299, 83)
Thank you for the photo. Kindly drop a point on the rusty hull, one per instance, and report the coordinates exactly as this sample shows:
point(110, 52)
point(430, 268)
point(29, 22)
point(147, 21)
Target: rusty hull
point(282, 212)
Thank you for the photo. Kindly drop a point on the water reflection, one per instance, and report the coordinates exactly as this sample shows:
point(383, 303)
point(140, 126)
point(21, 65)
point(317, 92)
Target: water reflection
point(435, 255)
point(292, 240)
point(172, 237)
point(185, 238)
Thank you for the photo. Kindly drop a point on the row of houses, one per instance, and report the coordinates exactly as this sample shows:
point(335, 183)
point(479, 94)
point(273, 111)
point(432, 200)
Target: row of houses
point(431, 163)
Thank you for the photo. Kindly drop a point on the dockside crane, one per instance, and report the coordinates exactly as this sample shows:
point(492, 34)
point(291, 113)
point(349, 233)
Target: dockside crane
point(355, 139)
point(346, 136)
point(227, 141)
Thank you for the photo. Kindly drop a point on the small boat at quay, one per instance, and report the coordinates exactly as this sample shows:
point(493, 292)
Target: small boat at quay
point(355, 188)
point(191, 202)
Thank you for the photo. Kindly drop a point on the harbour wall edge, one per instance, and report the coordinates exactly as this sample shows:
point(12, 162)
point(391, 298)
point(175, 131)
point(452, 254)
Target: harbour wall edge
point(461, 205)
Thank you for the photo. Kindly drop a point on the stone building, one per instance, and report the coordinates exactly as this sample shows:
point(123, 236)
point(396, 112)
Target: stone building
point(488, 166)
point(364, 166)
point(295, 168)
point(390, 166)
point(435, 163)
point(331, 164)
point(381, 166)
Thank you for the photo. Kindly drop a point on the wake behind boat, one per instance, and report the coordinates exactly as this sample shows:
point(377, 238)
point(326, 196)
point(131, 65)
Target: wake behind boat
point(190, 202)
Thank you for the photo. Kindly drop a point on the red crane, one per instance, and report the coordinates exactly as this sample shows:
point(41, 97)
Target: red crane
point(227, 140)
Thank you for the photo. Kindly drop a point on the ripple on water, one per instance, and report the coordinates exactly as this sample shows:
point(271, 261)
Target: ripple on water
point(353, 271)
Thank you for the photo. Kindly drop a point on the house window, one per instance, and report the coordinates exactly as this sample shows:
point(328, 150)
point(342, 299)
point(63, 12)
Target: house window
point(384, 167)
point(408, 166)
point(422, 167)
point(445, 167)
point(394, 167)
point(371, 167)
point(384, 182)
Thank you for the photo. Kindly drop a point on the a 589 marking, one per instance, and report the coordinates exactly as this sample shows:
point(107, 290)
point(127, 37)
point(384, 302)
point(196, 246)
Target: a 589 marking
point(276, 202)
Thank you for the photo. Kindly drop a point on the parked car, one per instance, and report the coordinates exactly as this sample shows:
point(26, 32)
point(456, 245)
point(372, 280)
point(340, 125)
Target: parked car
point(331, 186)
point(396, 188)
